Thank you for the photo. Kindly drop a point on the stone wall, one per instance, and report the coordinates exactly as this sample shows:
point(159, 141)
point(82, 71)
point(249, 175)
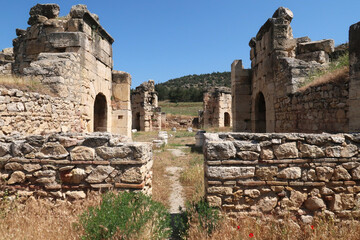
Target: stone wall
point(6, 60)
point(73, 56)
point(307, 174)
point(280, 64)
point(30, 113)
point(70, 165)
point(322, 108)
point(217, 108)
point(146, 115)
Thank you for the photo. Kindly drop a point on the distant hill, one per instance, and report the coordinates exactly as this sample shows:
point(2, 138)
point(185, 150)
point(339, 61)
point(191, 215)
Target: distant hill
point(190, 88)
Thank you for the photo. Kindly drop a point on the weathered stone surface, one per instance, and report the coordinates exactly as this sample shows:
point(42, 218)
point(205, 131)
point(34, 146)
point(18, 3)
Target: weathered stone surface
point(267, 204)
point(76, 176)
point(311, 151)
point(248, 155)
point(75, 195)
point(4, 149)
point(81, 153)
point(47, 10)
point(53, 150)
point(286, 150)
point(16, 177)
point(230, 172)
point(284, 13)
point(266, 173)
point(324, 173)
point(253, 193)
point(78, 11)
point(314, 203)
point(113, 152)
point(45, 173)
point(290, 173)
point(323, 45)
point(297, 199)
point(341, 173)
point(14, 166)
point(266, 154)
point(247, 146)
point(356, 173)
point(220, 190)
point(96, 140)
point(349, 151)
point(214, 201)
point(220, 150)
point(132, 175)
point(99, 174)
point(334, 151)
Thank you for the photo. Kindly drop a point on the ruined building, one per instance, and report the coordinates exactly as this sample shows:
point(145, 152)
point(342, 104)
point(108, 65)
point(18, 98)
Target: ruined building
point(217, 107)
point(146, 115)
point(266, 97)
point(72, 56)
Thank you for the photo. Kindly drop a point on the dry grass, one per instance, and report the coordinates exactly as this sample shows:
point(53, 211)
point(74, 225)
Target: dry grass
point(336, 76)
point(271, 229)
point(42, 219)
point(26, 85)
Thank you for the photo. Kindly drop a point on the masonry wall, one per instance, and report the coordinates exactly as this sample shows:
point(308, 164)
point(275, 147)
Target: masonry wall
point(217, 104)
point(29, 113)
point(70, 165)
point(322, 108)
point(307, 174)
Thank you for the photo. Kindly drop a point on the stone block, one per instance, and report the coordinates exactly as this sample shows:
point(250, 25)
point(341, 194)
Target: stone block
point(290, 173)
point(230, 172)
point(286, 150)
point(323, 45)
point(67, 39)
point(219, 150)
point(81, 153)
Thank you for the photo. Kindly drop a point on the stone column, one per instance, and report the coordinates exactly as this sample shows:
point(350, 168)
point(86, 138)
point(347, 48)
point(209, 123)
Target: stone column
point(241, 97)
point(354, 85)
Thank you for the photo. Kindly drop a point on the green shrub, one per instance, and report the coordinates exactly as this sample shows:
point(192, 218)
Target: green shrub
point(198, 213)
point(126, 216)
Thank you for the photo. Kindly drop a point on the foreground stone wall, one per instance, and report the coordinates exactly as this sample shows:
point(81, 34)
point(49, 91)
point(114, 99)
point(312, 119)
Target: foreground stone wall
point(34, 113)
point(307, 174)
point(69, 165)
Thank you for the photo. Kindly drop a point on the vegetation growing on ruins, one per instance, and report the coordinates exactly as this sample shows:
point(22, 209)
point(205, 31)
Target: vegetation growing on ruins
point(29, 85)
point(338, 70)
point(190, 88)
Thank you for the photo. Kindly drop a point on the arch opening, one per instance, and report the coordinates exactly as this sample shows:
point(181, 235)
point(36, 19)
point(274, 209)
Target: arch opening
point(100, 113)
point(226, 119)
point(260, 113)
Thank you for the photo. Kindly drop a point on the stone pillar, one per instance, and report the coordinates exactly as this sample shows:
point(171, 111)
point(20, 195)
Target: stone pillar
point(120, 102)
point(354, 85)
point(241, 97)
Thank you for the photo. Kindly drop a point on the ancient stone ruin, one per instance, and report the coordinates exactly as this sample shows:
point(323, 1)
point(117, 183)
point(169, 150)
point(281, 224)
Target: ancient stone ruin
point(72, 56)
point(217, 108)
point(46, 145)
point(306, 174)
point(266, 97)
point(146, 115)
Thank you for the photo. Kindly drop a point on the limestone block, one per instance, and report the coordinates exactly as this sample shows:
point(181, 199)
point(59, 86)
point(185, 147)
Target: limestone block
point(47, 10)
point(16, 177)
point(322, 45)
point(266, 173)
point(14, 166)
point(267, 203)
point(220, 190)
point(219, 150)
point(286, 150)
point(132, 175)
point(99, 174)
point(32, 167)
point(341, 173)
point(334, 151)
point(76, 176)
point(324, 173)
point(356, 173)
point(297, 199)
point(45, 173)
point(113, 152)
point(318, 56)
point(247, 146)
point(349, 150)
point(248, 155)
point(230, 172)
point(66, 39)
point(81, 153)
point(75, 195)
point(253, 193)
point(311, 151)
point(53, 150)
point(214, 201)
point(78, 11)
point(290, 173)
point(314, 203)
point(266, 153)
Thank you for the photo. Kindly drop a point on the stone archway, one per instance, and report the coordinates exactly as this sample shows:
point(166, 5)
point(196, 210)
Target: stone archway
point(100, 113)
point(260, 113)
point(226, 119)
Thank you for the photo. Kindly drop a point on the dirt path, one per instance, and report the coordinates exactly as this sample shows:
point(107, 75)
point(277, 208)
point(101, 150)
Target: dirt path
point(176, 198)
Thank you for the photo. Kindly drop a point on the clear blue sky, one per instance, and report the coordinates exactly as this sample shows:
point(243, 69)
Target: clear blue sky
point(164, 39)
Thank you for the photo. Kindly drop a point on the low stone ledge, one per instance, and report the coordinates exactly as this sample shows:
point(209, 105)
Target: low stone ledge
point(72, 163)
point(292, 172)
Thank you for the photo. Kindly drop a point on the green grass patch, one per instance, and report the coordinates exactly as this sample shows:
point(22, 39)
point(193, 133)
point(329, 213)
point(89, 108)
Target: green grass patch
point(181, 108)
point(341, 62)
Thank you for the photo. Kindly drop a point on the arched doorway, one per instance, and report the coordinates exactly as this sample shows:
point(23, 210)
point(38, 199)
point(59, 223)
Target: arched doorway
point(100, 113)
point(260, 113)
point(226, 119)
